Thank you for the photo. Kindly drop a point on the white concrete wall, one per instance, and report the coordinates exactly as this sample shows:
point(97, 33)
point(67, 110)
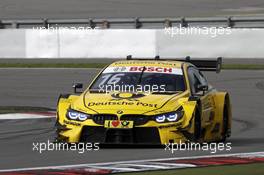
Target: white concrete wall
point(111, 43)
point(42, 44)
point(236, 43)
point(90, 43)
point(12, 43)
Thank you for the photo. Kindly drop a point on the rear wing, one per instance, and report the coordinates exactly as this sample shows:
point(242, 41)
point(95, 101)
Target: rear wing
point(202, 65)
point(207, 65)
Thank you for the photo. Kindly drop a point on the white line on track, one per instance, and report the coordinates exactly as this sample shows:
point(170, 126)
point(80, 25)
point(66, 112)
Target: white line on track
point(250, 154)
point(17, 116)
point(112, 168)
point(173, 164)
point(144, 165)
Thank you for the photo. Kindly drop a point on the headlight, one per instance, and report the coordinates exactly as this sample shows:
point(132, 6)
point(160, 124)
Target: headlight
point(169, 117)
point(160, 118)
point(75, 115)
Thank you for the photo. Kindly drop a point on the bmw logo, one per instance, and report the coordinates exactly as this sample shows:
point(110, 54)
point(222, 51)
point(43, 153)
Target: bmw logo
point(120, 112)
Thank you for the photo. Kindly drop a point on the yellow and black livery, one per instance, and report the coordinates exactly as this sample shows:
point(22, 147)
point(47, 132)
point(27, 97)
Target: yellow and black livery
point(192, 112)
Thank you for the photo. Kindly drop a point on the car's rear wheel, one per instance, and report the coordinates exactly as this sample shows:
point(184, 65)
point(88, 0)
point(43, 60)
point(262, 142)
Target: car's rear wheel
point(225, 122)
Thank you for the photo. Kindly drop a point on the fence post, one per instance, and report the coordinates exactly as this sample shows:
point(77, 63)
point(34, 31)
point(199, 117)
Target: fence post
point(1, 25)
point(137, 23)
point(167, 23)
point(184, 22)
point(91, 23)
point(230, 23)
point(15, 25)
point(45, 23)
point(105, 24)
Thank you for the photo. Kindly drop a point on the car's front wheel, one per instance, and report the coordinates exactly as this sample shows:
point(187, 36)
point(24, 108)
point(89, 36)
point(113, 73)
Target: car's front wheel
point(197, 125)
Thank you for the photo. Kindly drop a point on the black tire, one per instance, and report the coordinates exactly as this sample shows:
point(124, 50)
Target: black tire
point(197, 126)
point(56, 133)
point(225, 122)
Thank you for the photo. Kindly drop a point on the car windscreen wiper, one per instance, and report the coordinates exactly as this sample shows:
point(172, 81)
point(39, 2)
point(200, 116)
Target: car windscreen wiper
point(96, 91)
point(141, 75)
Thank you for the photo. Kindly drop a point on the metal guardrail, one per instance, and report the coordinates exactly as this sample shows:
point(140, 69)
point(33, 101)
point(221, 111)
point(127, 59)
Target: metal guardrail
point(136, 23)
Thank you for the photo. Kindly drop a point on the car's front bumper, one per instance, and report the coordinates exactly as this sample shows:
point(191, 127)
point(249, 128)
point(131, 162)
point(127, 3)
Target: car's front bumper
point(151, 135)
point(137, 135)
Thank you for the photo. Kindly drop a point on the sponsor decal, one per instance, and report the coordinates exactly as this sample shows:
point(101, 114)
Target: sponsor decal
point(148, 69)
point(123, 124)
point(122, 103)
point(133, 63)
point(115, 123)
point(127, 96)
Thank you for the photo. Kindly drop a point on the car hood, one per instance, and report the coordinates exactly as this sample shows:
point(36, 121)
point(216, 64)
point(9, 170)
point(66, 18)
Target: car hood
point(127, 103)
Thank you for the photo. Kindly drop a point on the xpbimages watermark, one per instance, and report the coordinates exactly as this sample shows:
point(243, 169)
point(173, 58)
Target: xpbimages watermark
point(191, 146)
point(41, 147)
point(210, 31)
point(64, 29)
point(147, 89)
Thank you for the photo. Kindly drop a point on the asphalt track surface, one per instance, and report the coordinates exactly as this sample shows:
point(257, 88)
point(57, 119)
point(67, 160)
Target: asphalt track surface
point(127, 8)
point(40, 87)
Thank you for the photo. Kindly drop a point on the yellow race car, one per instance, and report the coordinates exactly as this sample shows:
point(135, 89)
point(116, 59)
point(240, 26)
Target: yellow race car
point(146, 101)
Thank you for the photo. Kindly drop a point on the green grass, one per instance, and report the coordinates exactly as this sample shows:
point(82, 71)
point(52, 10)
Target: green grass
point(247, 169)
point(101, 65)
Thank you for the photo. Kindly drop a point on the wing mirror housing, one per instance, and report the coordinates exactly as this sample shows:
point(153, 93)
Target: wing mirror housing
point(77, 86)
point(203, 88)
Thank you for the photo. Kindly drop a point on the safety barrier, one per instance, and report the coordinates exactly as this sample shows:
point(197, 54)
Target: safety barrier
point(117, 43)
point(137, 23)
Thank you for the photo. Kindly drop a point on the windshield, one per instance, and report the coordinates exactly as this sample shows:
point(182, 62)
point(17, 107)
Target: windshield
point(143, 79)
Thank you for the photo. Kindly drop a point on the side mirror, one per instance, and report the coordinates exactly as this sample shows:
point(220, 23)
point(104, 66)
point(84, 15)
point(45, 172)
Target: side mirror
point(202, 88)
point(76, 86)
